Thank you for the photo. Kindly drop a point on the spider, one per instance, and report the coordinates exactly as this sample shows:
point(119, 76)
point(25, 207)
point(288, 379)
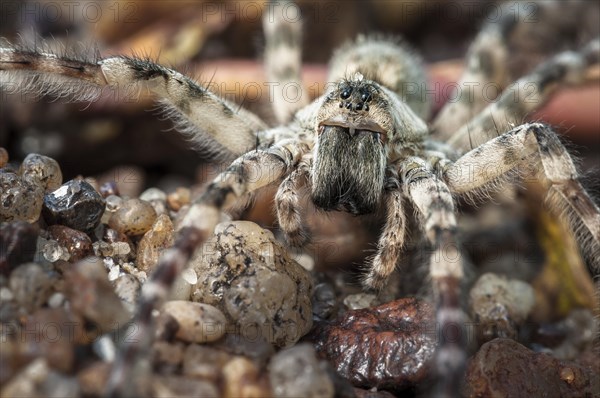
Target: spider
point(363, 145)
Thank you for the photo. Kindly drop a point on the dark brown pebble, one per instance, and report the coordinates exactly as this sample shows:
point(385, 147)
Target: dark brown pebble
point(78, 244)
point(503, 367)
point(17, 244)
point(388, 347)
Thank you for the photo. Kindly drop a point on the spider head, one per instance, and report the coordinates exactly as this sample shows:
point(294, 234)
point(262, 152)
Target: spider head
point(353, 130)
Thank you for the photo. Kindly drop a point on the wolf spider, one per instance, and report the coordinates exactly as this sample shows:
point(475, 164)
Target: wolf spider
point(362, 145)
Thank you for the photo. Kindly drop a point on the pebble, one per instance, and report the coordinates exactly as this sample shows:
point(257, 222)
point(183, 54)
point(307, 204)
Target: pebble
point(92, 296)
point(20, 199)
point(104, 348)
point(167, 356)
point(113, 203)
point(56, 300)
point(51, 333)
point(6, 294)
point(181, 289)
point(181, 197)
point(568, 337)
point(43, 170)
point(127, 288)
point(198, 323)
point(157, 198)
point(296, 372)
point(76, 204)
point(152, 244)
point(3, 157)
point(177, 386)
point(242, 378)
point(204, 362)
point(246, 273)
point(359, 301)
point(93, 379)
point(133, 218)
point(387, 347)
point(109, 188)
point(25, 384)
point(18, 242)
point(505, 368)
point(499, 305)
point(31, 286)
point(77, 243)
point(53, 252)
point(152, 194)
point(324, 301)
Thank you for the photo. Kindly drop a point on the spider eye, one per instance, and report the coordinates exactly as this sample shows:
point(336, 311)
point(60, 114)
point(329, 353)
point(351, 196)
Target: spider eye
point(345, 94)
point(365, 97)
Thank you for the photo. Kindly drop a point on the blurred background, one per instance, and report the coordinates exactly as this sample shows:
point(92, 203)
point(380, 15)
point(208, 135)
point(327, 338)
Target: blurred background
point(221, 42)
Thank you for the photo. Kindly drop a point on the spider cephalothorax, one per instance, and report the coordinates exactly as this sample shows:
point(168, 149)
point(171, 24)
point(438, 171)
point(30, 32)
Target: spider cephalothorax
point(351, 149)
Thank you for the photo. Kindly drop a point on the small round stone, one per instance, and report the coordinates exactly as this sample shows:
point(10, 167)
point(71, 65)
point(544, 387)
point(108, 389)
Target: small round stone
point(20, 199)
point(18, 241)
point(53, 251)
point(92, 296)
point(181, 197)
point(198, 323)
point(109, 188)
point(359, 301)
point(76, 204)
point(152, 244)
point(133, 218)
point(242, 378)
point(323, 301)
point(3, 157)
point(77, 243)
point(151, 194)
point(43, 169)
point(204, 362)
point(127, 288)
point(499, 305)
point(296, 372)
point(31, 285)
point(113, 203)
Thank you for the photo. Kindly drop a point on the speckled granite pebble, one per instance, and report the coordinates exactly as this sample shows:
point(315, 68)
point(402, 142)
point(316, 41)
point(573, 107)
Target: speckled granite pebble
point(20, 199)
point(246, 273)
